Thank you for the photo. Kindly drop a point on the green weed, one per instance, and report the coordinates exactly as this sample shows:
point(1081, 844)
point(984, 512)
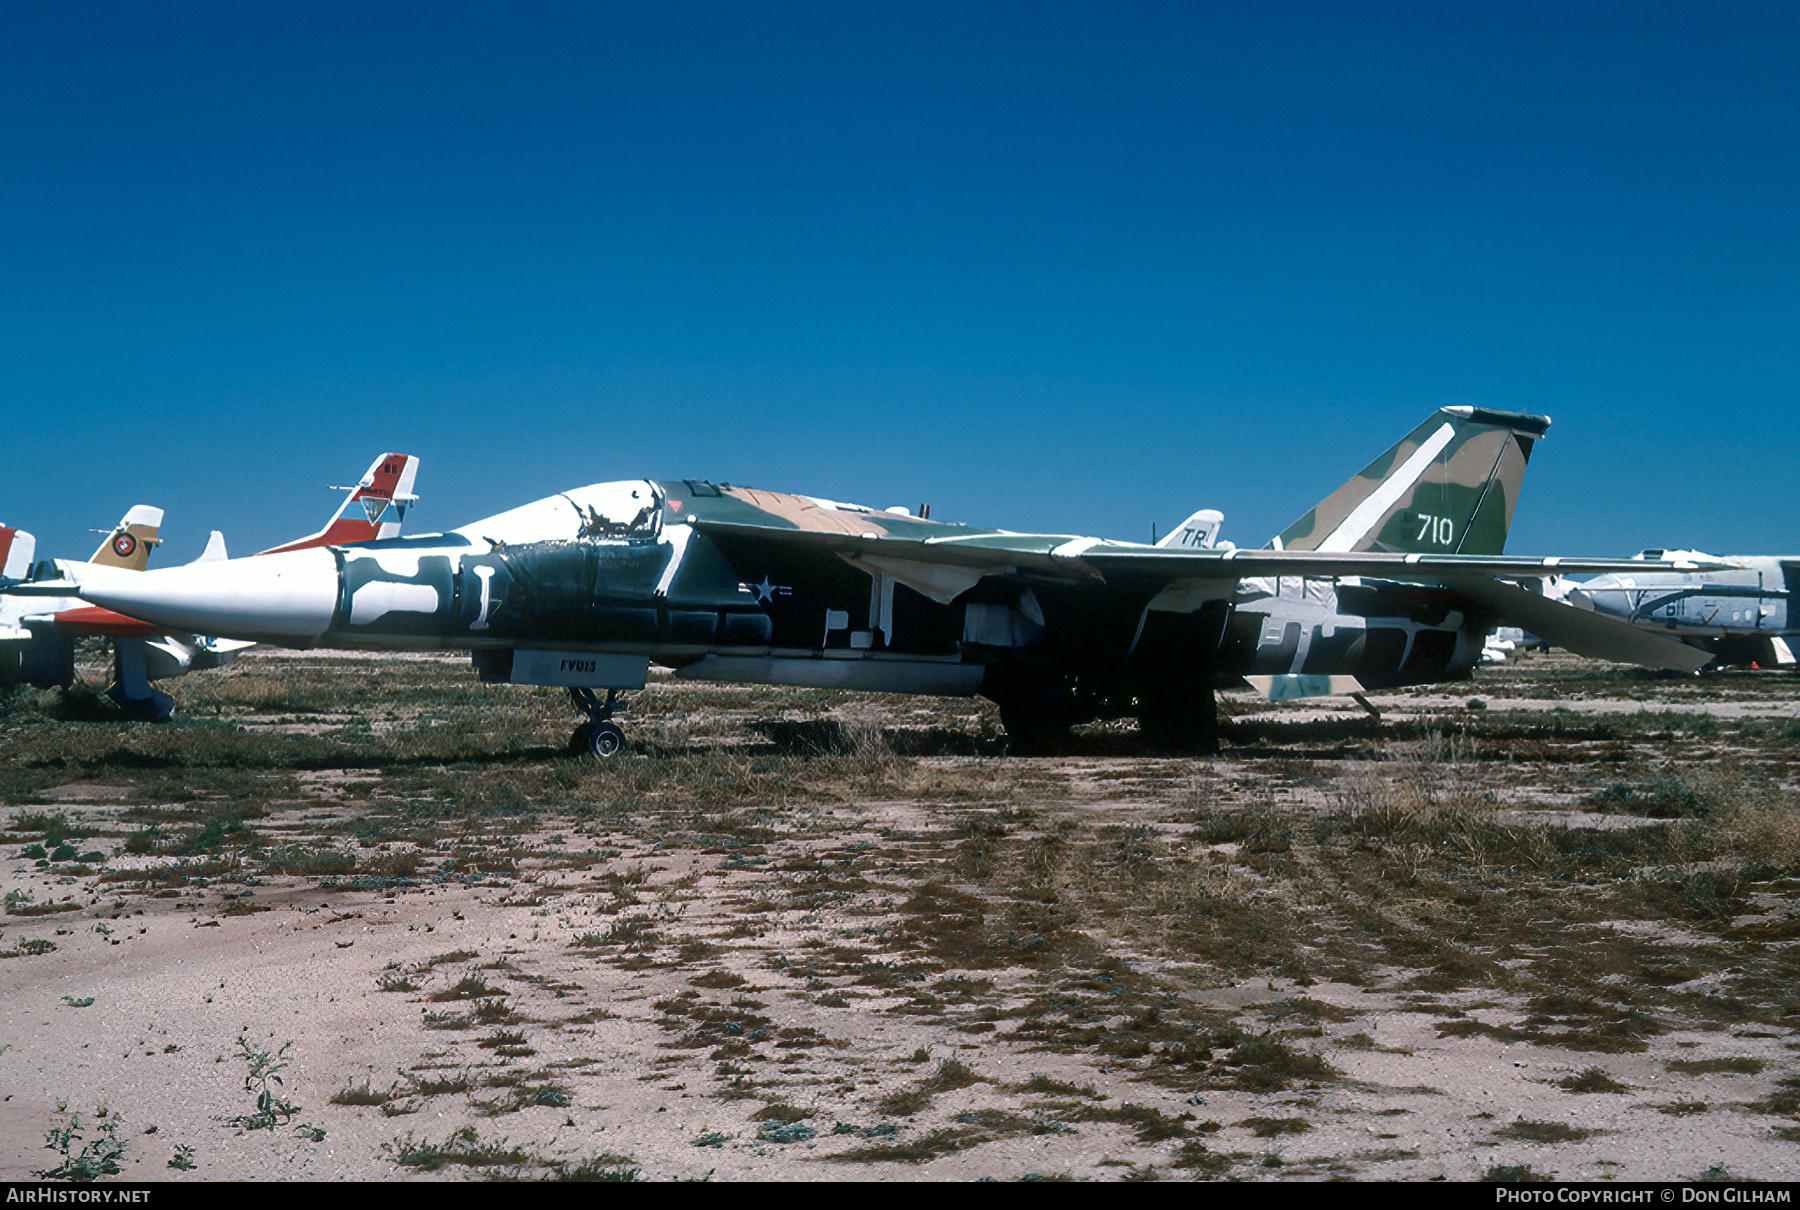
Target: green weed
point(262, 1079)
point(88, 1151)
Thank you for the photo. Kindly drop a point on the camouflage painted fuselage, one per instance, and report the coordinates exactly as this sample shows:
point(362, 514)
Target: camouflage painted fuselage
point(700, 578)
point(589, 587)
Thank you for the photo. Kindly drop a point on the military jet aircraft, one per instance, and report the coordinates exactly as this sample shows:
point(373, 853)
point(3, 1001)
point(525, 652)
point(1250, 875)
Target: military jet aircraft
point(34, 650)
point(1395, 579)
point(40, 617)
point(16, 550)
point(1740, 612)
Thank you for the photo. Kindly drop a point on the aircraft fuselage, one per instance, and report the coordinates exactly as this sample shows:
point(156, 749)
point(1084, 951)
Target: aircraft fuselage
point(630, 572)
point(1734, 612)
point(1753, 597)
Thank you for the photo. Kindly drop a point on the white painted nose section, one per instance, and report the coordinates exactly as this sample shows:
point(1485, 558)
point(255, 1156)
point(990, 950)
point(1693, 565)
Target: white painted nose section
point(286, 596)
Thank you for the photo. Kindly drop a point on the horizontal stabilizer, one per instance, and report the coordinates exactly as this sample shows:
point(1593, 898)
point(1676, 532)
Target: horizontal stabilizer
point(1579, 630)
point(41, 588)
point(93, 620)
point(1292, 686)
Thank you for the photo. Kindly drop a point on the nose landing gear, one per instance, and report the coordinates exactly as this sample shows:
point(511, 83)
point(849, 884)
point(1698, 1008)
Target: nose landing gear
point(599, 735)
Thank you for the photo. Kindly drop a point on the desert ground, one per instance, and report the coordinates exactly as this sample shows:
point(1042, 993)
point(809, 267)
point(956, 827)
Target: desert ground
point(363, 918)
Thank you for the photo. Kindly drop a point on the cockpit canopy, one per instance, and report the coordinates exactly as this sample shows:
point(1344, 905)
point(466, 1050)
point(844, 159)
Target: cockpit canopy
point(629, 510)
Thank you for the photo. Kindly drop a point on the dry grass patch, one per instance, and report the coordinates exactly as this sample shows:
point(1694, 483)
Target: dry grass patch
point(1270, 1128)
point(1526, 1130)
point(366, 1094)
point(1735, 1065)
point(919, 1150)
point(951, 1074)
point(469, 987)
point(1592, 1079)
point(1151, 1125)
point(1683, 1109)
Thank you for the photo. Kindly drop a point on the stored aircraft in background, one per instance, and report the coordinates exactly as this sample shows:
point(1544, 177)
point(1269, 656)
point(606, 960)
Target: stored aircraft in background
point(1394, 579)
point(1741, 611)
point(375, 508)
point(41, 616)
point(16, 550)
point(34, 648)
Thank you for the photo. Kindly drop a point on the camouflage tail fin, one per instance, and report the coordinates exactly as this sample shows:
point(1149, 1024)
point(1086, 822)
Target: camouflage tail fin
point(1448, 487)
point(129, 544)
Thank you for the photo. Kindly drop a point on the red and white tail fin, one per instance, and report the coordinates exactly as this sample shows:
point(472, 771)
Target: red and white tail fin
point(374, 509)
point(129, 544)
point(16, 549)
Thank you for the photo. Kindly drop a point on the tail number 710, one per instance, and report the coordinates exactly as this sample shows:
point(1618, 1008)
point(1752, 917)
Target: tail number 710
point(1441, 530)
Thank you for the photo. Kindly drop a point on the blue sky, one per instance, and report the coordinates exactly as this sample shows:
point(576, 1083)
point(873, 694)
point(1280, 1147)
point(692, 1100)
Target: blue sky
point(1065, 267)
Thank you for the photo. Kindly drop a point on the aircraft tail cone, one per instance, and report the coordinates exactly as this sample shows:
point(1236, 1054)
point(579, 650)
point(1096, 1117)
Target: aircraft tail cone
point(281, 598)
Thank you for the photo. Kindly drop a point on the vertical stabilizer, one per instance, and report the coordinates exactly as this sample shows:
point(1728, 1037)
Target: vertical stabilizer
point(1448, 487)
point(375, 507)
point(16, 549)
point(1198, 532)
point(215, 549)
point(129, 545)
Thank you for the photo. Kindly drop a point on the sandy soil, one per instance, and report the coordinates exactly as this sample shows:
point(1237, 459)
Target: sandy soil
point(623, 1063)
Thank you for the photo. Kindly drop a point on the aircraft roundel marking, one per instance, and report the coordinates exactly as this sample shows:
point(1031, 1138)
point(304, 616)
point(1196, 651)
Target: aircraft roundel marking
point(123, 545)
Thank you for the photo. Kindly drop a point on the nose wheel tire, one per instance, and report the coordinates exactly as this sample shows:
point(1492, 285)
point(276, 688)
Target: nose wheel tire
point(598, 736)
point(598, 739)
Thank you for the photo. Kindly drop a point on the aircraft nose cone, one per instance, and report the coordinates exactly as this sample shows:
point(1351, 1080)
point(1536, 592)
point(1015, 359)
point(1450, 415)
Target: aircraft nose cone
point(266, 598)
